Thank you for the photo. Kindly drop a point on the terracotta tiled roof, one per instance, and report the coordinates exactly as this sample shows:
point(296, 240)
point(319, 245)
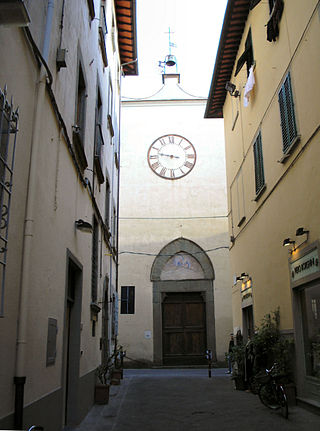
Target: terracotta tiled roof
point(234, 21)
point(127, 35)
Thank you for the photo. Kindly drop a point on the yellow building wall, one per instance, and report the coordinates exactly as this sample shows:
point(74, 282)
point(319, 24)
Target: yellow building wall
point(291, 198)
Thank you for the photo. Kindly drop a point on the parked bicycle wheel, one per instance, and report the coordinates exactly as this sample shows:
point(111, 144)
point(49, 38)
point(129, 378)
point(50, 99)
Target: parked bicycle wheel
point(282, 398)
point(268, 396)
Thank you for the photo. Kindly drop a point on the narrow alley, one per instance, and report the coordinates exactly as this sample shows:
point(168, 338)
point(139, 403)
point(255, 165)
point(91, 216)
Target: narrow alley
point(186, 399)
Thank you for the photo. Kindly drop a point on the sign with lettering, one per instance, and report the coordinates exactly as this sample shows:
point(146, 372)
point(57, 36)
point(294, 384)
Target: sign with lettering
point(306, 265)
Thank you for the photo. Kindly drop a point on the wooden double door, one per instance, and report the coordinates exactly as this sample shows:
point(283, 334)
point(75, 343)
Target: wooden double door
point(184, 329)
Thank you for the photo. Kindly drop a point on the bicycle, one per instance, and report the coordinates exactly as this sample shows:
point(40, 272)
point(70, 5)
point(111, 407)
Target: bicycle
point(272, 394)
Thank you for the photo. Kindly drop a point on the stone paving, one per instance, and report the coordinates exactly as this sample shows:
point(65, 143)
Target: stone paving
point(186, 399)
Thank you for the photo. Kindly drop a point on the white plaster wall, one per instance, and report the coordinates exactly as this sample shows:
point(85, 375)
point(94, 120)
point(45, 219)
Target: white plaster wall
point(155, 211)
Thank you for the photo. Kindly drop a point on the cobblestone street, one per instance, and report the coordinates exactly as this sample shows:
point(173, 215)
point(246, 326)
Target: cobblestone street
point(188, 400)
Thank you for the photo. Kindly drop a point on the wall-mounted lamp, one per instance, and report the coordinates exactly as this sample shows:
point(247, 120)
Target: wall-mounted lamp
point(83, 225)
point(231, 88)
point(301, 231)
point(242, 276)
point(287, 242)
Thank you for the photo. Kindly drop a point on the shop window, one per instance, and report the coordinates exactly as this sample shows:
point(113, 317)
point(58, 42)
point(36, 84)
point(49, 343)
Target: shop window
point(247, 56)
point(287, 115)
point(258, 165)
point(127, 299)
point(311, 323)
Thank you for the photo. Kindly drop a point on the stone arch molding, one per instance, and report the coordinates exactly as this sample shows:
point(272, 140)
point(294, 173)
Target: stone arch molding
point(185, 246)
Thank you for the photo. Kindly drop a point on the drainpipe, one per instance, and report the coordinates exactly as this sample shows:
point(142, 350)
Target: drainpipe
point(20, 371)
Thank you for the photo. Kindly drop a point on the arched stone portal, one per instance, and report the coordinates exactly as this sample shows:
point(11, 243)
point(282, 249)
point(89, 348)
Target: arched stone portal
point(183, 304)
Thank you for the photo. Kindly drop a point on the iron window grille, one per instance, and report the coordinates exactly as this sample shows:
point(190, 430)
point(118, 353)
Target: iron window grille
point(287, 115)
point(8, 136)
point(127, 299)
point(258, 164)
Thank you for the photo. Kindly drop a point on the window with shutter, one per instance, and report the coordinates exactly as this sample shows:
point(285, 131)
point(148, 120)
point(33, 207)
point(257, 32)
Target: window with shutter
point(258, 164)
point(247, 56)
point(287, 115)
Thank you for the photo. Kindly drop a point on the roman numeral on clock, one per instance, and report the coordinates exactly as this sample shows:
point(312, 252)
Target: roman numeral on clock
point(155, 165)
point(188, 165)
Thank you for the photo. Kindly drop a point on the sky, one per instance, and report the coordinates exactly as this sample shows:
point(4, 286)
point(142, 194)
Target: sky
point(196, 27)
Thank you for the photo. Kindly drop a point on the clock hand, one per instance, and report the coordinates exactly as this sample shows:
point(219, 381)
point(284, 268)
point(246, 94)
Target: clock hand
point(169, 155)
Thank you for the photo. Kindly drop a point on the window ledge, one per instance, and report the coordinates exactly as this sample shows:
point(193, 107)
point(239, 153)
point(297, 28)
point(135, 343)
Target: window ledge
point(288, 152)
point(260, 192)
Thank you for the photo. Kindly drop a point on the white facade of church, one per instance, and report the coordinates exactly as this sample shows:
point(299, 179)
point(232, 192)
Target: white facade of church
point(173, 234)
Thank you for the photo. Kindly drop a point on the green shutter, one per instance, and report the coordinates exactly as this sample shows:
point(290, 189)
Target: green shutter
point(287, 115)
point(258, 164)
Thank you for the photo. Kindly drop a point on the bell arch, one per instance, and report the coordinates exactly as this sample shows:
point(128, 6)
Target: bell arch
point(182, 268)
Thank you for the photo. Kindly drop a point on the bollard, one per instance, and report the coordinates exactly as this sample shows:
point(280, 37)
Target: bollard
point(209, 358)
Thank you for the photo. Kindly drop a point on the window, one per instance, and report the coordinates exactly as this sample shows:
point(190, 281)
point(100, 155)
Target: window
point(288, 122)
point(94, 260)
point(81, 104)
point(98, 145)
point(258, 164)
point(114, 228)
point(102, 34)
point(110, 110)
point(127, 299)
point(80, 116)
point(107, 205)
point(91, 8)
point(247, 56)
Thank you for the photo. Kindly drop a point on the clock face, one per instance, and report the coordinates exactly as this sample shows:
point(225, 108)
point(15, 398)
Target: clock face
point(171, 157)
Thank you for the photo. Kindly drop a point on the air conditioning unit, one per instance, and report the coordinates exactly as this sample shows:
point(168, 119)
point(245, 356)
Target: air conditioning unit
point(13, 13)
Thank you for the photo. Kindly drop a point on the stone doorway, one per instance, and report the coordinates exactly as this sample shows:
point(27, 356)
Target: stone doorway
point(183, 304)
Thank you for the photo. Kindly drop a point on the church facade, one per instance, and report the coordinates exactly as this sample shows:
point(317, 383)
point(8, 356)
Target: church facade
point(174, 280)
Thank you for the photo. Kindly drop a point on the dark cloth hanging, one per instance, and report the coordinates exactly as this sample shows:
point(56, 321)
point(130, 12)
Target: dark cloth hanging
point(254, 3)
point(273, 23)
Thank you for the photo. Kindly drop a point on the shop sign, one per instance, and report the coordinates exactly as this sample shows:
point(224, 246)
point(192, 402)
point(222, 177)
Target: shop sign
point(305, 266)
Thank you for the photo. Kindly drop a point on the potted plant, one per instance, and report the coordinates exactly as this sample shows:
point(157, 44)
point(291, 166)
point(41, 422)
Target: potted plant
point(238, 368)
point(270, 347)
point(101, 393)
point(117, 371)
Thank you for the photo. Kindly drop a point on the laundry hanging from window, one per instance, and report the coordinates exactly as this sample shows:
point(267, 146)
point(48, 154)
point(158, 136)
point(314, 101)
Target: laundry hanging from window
point(248, 88)
point(273, 23)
